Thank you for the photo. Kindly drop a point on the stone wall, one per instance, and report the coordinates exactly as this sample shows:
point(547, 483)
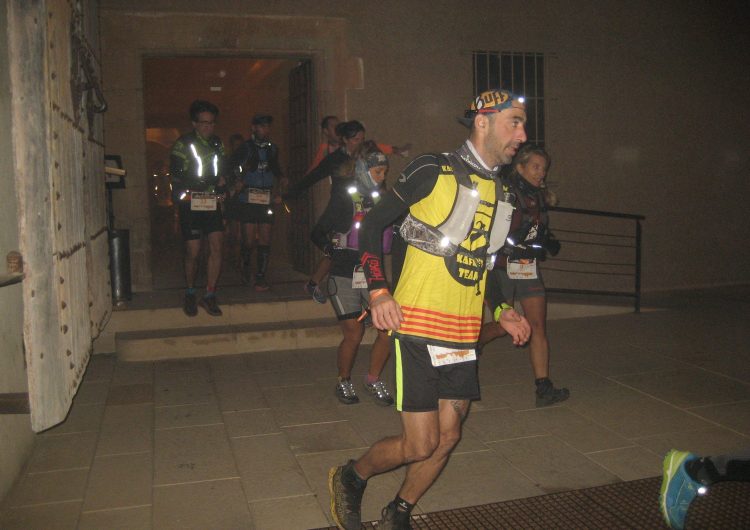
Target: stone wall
point(645, 103)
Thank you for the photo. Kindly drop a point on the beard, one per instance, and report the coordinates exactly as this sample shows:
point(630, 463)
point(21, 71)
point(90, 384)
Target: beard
point(496, 149)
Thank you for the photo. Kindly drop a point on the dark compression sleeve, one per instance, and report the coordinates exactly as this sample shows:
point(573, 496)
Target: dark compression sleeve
point(371, 237)
point(337, 217)
point(329, 166)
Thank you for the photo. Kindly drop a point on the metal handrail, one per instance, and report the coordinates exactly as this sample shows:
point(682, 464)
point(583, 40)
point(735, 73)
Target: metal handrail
point(636, 265)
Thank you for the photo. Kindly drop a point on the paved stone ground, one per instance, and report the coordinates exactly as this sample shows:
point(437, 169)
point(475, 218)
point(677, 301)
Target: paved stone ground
point(245, 441)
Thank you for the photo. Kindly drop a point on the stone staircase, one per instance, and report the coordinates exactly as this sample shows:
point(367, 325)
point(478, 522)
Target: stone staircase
point(152, 328)
point(150, 334)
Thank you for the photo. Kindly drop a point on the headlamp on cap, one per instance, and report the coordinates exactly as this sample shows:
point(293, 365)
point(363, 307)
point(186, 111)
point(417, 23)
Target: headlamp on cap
point(491, 101)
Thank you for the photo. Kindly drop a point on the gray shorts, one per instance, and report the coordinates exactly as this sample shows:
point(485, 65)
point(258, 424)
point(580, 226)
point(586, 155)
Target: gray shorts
point(500, 288)
point(347, 301)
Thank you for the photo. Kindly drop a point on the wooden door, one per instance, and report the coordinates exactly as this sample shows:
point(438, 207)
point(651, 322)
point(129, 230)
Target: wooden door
point(301, 132)
point(59, 168)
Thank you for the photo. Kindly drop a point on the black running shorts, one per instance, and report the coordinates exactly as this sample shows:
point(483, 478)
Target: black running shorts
point(255, 213)
point(420, 385)
point(194, 224)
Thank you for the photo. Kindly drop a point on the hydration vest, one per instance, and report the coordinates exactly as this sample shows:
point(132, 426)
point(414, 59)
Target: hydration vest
point(255, 170)
point(202, 164)
point(445, 238)
point(522, 192)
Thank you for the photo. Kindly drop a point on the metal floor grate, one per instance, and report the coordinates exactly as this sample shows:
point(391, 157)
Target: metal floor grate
point(631, 504)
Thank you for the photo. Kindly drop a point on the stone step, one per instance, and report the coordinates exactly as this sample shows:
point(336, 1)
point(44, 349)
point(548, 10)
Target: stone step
point(227, 339)
point(208, 341)
point(129, 319)
point(155, 329)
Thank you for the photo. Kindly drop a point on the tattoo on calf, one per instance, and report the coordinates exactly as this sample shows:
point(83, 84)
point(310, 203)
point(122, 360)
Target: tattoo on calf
point(459, 408)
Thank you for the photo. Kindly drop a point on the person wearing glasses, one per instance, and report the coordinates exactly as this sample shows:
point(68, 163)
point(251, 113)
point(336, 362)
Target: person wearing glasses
point(198, 184)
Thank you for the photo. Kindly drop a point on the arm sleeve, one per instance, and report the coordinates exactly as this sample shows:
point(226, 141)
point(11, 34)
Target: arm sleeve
point(178, 163)
point(415, 183)
point(274, 163)
point(370, 234)
point(318, 157)
point(319, 236)
point(321, 171)
point(334, 217)
point(223, 168)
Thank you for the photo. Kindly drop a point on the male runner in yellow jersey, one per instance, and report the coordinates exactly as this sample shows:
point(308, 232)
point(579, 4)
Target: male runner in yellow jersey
point(456, 218)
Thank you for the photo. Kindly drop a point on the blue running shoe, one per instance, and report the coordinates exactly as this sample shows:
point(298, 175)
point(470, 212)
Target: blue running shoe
point(678, 489)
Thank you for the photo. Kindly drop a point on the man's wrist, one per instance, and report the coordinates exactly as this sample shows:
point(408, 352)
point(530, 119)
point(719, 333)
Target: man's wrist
point(499, 310)
point(375, 293)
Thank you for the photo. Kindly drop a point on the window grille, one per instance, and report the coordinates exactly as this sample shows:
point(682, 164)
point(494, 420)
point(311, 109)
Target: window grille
point(521, 73)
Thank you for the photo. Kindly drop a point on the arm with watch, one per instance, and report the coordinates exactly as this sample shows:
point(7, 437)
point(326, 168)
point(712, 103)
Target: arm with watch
point(385, 311)
point(511, 322)
point(505, 319)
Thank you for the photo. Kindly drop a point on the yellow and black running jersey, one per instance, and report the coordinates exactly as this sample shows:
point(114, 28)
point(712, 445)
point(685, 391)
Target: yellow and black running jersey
point(441, 297)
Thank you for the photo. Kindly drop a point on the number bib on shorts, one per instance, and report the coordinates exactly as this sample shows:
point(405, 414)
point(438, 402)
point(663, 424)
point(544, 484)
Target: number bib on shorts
point(358, 278)
point(441, 356)
point(258, 196)
point(522, 269)
point(203, 202)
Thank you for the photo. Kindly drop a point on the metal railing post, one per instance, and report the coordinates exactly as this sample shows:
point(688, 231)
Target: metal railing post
point(637, 266)
point(634, 265)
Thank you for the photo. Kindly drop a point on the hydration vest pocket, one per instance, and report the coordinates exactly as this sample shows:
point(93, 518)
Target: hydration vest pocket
point(501, 226)
point(426, 237)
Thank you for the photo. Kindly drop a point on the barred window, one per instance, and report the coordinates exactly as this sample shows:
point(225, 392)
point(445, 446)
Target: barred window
point(521, 73)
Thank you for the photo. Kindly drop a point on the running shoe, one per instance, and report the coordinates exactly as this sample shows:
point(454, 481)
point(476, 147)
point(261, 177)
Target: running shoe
point(678, 489)
point(211, 306)
point(261, 284)
point(392, 519)
point(245, 271)
point(189, 306)
point(346, 496)
point(345, 392)
point(379, 393)
point(547, 394)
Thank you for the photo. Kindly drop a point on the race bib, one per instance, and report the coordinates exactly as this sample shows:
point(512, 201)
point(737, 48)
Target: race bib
point(258, 196)
point(203, 202)
point(441, 356)
point(523, 269)
point(358, 278)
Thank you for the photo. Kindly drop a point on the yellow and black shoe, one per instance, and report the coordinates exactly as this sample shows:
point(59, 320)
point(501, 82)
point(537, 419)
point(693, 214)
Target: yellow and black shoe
point(346, 490)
